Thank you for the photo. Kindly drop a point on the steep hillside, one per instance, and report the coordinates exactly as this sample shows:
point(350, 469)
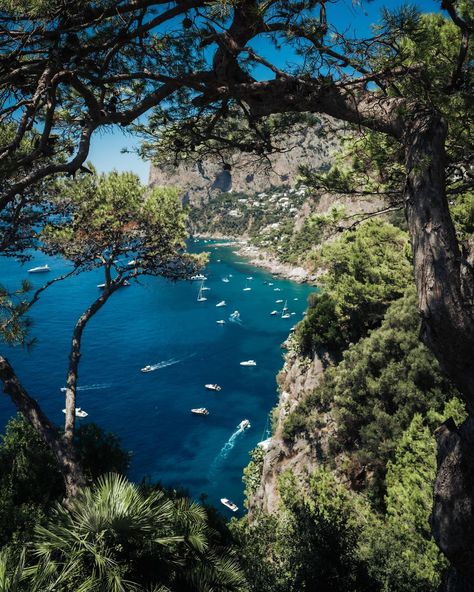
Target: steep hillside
point(202, 180)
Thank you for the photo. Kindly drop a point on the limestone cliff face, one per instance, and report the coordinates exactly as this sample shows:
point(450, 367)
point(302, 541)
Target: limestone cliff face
point(246, 173)
point(296, 380)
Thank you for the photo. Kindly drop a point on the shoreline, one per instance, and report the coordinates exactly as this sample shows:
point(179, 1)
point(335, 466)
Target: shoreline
point(261, 258)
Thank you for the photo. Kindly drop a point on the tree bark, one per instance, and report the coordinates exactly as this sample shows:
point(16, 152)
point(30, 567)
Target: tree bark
point(443, 276)
point(75, 356)
point(64, 452)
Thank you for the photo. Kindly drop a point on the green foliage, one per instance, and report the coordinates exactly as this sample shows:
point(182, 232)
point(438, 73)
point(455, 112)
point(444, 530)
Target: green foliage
point(398, 546)
point(320, 329)
point(253, 472)
point(117, 537)
point(366, 269)
point(109, 218)
point(374, 393)
point(310, 545)
point(30, 482)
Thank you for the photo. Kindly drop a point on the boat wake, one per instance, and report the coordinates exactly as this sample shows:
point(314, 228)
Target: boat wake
point(170, 362)
point(90, 387)
point(224, 452)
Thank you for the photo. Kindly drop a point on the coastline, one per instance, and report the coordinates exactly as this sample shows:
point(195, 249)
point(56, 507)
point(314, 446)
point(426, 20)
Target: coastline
point(261, 258)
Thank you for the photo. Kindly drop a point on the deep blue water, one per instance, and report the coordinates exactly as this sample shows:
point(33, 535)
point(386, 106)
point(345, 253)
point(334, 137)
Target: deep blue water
point(160, 322)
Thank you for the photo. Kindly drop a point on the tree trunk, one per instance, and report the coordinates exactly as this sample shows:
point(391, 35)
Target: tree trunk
point(65, 454)
point(75, 356)
point(452, 520)
point(444, 279)
point(445, 285)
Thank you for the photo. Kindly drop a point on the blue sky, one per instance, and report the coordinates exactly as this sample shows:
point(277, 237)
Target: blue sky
point(355, 20)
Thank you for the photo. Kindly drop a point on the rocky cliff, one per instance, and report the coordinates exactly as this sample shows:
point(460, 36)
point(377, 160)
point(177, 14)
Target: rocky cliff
point(297, 379)
point(246, 173)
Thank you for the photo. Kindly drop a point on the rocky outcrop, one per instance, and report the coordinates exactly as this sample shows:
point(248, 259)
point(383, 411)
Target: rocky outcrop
point(297, 379)
point(247, 173)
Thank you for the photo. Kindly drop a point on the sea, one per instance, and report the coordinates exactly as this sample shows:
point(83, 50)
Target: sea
point(159, 323)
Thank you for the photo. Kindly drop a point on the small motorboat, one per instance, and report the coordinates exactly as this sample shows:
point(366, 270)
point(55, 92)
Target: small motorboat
point(213, 387)
point(132, 263)
point(277, 289)
point(244, 424)
point(295, 298)
point(221, 322)
point(198, 278)
point(279, 301)
point(270, 283)
point(221, 303)
point(205, 288)
point(229, 504)
point(247, 289)
point(248, 363)
point(147, 368)
point(250, 277)
point(40, 269)
point(226, 280)
point(200, 411)
point(274, 313)
point(79, 412)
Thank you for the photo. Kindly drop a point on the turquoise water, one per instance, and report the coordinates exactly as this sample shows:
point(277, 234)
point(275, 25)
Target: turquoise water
point(158, 322)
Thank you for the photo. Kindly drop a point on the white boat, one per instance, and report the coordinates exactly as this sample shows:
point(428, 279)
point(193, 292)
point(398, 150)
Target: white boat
point(274, 313)
point(200, 297)
point(250, 277)
point(235, 317)
point(221, 303)
point(147, 368)
point(276, 289)
point(284, 313)
point(244, 424)
point(248, 363)
point(198, 278)
point(40, 269)
point(221, 322)
point(270, 283)
point(79, 412)
point(279, 301)
point(295, 298)
point(132, 263)
point(226, 280)
point(200, 411)
point(205, 288)
point(229, 504)
point(212, 387)
point(247, 288)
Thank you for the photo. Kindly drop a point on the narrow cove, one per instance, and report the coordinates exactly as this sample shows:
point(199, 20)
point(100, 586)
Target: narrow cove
point(161, 324)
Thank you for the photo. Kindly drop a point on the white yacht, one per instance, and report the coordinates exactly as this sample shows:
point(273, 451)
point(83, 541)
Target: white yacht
point(221, 303)
point(198, 277)
point(200, 411)
point(274, 313)
point(132, 263)
point(277, 289)
point(200, 297)
point(244, 424)
point(220, 322)
point(226, 280)
point(284, 313)
point(213, 387)
point(250, 277)
point(79, 412)
point(248, 363)
point(147, 368)
point(279, 301)
point(40, 269)
point(229, 504)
